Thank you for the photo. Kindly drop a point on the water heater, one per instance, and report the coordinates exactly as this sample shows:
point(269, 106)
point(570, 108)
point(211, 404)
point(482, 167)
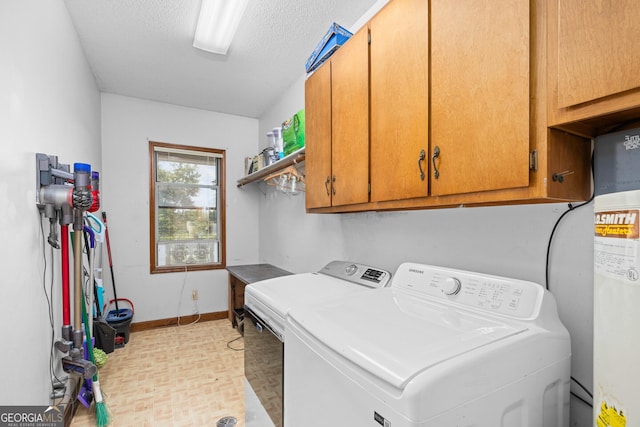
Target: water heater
point(617, 280)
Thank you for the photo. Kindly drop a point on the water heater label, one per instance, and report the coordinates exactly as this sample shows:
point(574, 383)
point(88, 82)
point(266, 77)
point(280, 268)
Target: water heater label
point(620, 224)
point(616, 244)
point(610, 416)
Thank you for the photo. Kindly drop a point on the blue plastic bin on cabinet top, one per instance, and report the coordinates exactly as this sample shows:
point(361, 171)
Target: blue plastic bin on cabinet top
point(332, 40)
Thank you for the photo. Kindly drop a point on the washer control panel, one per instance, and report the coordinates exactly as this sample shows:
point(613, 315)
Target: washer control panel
point(500, 295)
point(357, 273)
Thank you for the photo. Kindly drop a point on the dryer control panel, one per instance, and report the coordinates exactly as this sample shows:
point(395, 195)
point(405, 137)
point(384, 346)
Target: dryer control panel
point(357, 273)
point(500, 295)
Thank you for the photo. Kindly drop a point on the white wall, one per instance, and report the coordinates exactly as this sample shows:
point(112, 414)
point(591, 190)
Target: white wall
point(127, 126)
point(509, 241)
point(49, 103)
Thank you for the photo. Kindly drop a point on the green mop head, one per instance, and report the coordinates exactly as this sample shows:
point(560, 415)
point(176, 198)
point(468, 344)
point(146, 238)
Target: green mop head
point(102, 413)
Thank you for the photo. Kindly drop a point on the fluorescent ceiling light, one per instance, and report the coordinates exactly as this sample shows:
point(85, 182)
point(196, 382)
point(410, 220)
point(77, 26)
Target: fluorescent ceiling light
point(217, 24)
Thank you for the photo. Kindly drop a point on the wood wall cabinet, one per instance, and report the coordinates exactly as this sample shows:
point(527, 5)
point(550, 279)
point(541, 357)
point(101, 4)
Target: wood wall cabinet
point(480, 95)
point(317, 106)
point(337, 127)
point(350, 121)
point(400, 101)
point(474, 103)
point(594, 58)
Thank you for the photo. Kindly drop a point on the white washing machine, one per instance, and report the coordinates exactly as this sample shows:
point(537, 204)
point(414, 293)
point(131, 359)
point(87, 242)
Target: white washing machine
point(266, 305)
point(438, 348)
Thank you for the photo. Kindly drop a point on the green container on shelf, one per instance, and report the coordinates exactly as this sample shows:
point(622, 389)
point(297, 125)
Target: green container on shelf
point(293, 133)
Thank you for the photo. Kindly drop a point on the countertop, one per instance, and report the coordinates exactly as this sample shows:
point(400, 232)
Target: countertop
point(256, 272)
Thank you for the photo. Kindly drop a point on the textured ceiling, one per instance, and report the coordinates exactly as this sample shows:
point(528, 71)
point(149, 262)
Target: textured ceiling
point(143, 49)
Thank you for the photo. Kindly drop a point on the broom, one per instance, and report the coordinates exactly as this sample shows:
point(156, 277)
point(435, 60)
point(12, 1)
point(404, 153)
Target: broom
point(102, 413)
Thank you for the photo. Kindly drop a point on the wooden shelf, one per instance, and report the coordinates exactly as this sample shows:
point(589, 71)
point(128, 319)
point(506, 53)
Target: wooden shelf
point(292, 159)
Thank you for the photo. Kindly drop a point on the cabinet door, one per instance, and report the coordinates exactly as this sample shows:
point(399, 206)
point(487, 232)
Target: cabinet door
point(597, 49)
point(479, 95)
point(350, 121)
point(318, 138)
point(399, 100)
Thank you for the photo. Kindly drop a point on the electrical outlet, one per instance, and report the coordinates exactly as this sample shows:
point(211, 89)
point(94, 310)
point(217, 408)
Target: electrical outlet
point(194, 295)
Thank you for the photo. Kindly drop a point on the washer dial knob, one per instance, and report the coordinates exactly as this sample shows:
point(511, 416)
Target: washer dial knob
point(451, 286)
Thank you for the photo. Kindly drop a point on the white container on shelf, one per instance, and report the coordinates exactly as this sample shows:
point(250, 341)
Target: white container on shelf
point(279, 146)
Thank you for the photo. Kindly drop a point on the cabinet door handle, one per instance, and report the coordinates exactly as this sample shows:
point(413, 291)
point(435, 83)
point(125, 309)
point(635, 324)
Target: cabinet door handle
point(326, 185)
point(436, 153)
point(422, 156)
point(333, 187)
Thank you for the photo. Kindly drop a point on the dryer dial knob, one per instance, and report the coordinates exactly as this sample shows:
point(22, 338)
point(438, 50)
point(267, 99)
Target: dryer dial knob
point(451, 286)
point(351, 269)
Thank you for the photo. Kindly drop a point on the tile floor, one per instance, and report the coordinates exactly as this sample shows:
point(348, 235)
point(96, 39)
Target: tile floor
point(174, 376)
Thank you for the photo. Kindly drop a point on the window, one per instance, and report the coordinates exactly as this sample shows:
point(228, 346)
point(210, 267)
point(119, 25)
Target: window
point(186, 208)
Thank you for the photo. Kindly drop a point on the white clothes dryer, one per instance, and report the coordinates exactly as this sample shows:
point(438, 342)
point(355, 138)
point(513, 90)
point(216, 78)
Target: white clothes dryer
point(438, 348)
point(266, 305)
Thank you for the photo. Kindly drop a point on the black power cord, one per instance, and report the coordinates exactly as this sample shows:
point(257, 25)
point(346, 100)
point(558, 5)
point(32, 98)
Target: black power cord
point(49, 296)
point(586, 390)
point(570, 208)
point(233, 340)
